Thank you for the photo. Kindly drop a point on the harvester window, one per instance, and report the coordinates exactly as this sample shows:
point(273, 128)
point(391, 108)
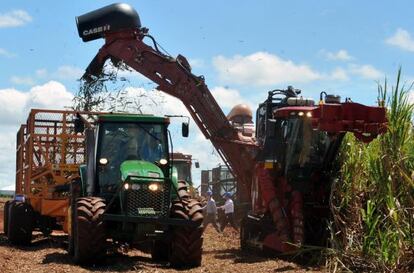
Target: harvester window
point(305, 146)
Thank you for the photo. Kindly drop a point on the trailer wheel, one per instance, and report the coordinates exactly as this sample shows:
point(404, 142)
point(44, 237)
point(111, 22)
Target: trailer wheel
point(74, 194)
point(6, 217)
point(160, 250)
point(89, 230)
point(187, 242)
point(20, 223)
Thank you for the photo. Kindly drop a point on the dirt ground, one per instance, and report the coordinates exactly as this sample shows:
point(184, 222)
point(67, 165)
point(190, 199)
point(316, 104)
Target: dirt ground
point(221, 254)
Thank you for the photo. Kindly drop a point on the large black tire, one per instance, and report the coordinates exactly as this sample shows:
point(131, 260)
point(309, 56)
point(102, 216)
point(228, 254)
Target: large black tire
point(74, 194)
point(186, 241)
point(160, 250)
point(244, 234)
point(89, 230)
point(71, 237)
point(248, 230)
point(6, 217)
point(20, 223)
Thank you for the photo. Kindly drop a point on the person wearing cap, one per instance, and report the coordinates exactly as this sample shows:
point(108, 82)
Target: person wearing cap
point(211, 212)
point(228, 208)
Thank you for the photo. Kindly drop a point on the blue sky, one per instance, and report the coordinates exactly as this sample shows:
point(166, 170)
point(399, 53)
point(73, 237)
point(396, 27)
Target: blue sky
point(243, 48)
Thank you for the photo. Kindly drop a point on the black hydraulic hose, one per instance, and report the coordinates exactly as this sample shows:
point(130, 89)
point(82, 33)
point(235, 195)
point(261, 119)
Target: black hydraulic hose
point(154, 42)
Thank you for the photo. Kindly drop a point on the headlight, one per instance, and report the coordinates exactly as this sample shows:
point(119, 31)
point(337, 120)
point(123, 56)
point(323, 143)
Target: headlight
point(309, 114)
point(103, 161)
point(126, 186)
point(300, 114)
point(153, 187)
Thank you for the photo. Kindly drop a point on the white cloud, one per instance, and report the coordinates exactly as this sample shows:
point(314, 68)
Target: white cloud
point(8, 188)
point(68, 72)
point(411, 97)
point(52, 95)
point(12, 103)
point(22, 80)
point(339, 74)
point(262, 69)
point(16, 105)
point(7, 155)
point(227, 97)
point(64, 72)
point(196, 63)
point(366, 71)
point(14, 18)
point(41, 73)
point(6, 53)
point(340, 55)
point(401, 39)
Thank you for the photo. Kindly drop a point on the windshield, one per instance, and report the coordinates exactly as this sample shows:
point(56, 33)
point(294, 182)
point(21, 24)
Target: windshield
point(129, 141)
point(183, 171)
point(305, 146)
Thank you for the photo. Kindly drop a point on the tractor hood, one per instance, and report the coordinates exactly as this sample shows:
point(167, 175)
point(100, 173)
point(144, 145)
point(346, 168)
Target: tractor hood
point(140, 168)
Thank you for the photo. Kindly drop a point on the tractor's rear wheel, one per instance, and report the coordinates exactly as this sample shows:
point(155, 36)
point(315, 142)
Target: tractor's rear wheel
point(20, 223)
point(88, 230)
point(6, 217)
point(187, 241)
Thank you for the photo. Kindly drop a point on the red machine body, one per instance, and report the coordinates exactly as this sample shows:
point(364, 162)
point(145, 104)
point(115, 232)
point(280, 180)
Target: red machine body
point(281, 193)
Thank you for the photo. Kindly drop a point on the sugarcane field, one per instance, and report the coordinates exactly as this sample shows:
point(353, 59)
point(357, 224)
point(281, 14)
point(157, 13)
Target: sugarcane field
point(163, 136)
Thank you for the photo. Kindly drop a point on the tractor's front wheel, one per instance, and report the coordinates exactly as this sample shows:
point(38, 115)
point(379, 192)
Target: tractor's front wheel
point(160, 250)
point(187, 241)
point(89, 240)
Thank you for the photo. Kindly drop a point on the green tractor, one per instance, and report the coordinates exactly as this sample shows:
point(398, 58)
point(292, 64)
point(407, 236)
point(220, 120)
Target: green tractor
point(182, 170)
point(127, 193)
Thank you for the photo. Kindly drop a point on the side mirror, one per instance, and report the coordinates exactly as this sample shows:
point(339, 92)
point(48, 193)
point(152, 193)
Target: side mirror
point(184, 129)
point(79, 125)
point(197, 164)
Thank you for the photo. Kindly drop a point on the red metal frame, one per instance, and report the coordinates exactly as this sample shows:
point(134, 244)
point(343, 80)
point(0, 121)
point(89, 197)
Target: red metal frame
point(365, 122)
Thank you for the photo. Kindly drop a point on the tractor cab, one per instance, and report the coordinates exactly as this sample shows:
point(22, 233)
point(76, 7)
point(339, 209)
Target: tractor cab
point(125, 145)
point(132, 164)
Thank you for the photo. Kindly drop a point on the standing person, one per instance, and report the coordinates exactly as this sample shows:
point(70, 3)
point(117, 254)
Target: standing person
point(228, 208)
point(211, 212)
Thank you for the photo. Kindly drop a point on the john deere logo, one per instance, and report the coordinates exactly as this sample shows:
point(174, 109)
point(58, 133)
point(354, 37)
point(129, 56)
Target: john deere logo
point(146, 211)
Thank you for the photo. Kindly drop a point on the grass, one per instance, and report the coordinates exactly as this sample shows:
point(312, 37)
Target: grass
point(373, 199)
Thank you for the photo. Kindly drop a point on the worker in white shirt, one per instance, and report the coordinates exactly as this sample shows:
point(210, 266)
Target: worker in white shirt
point(211, 212)
point(228, 208)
